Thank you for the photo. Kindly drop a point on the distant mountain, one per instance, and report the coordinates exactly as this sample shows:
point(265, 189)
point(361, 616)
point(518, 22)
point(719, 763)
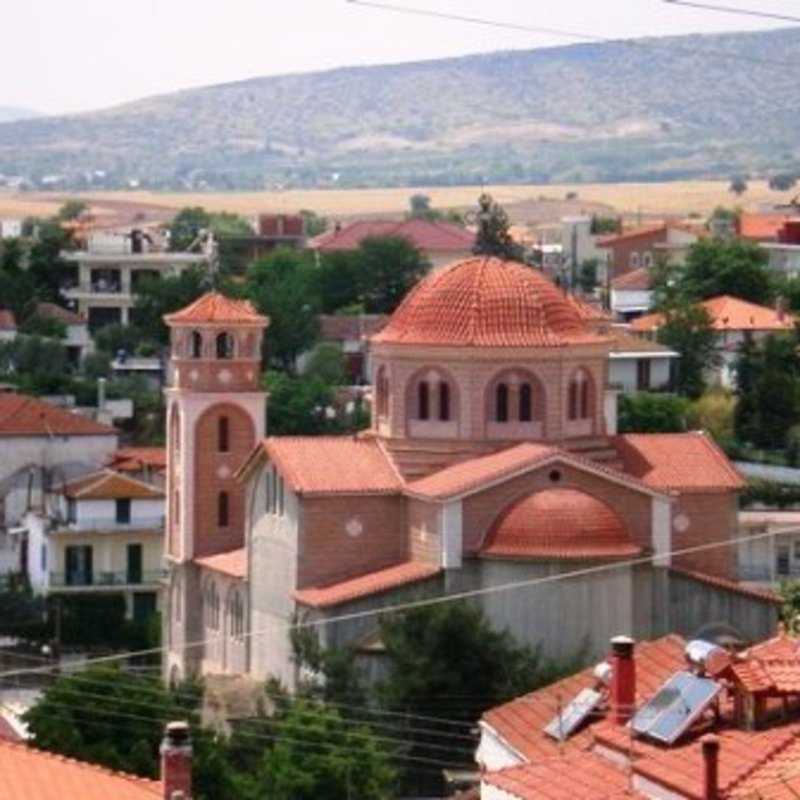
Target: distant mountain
point(14, 113)
point(657, 108)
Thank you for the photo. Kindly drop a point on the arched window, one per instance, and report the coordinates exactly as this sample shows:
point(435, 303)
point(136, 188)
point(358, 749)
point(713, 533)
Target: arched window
point(222, 509)
point(579, 396)
point(633, 260)
point(177, 609)
point(382, 392)
point(525, 403)
point(223, 439)
point(423, 400)
point(197, 345)
point(224, 345)
point(444, 401)
point(647, 259)
point(501, 402)
point(211, 606)
point(235, 611)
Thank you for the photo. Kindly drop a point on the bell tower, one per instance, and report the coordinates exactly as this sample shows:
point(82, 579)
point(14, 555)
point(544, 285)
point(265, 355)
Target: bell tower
point(216, 412)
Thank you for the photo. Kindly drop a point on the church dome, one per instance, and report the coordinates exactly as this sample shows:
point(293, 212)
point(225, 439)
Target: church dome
point(487, 302)
point(559, 524)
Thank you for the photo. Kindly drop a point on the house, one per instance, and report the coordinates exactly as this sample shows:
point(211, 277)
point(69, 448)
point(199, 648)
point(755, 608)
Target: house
point(10, 228)
point(735, 321)
point(660, 719)
point(30, 774)
point(491, 460)
point(101, 533)
point(110, 269)
point(351, 333)
point(149, 368)
point(77, 340)
point(645, 245)
point(439, 242)
point(578, 245)
point(637, 364)
point(146, 464)
point(8, 325)
point(784, 249)
point(632, 294)
point(769, 552)
point(761, 227)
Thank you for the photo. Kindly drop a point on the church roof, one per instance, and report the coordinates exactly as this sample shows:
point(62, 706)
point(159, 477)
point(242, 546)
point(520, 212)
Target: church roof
point(425, 235)
point(487, 302)
point(559, 523)
point(231, 562)
point(217, 308)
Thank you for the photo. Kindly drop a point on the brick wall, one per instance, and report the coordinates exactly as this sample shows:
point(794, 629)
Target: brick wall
point(621, 251)
point(331, 548)
point(706, 518)
point(425, 537)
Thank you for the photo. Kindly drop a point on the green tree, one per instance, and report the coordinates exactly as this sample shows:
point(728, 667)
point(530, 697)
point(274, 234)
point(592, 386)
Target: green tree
point(493, 237)
point(36, 365)
point(113, 338)
point(714, 412)
point(645, 412)
point(186, 225)
point(326, 363)
point(587, 276)
point(726, 266)
point(420, 206)
point(602, 224)
point(284, 286)
point(49, 327)
point(45, 264)
point(738, 185)
point(340, 280)
point(314, 223)
point(782, 181)
point(687, 330)
point(390, 266)
point(71, 210)
point(157, 296)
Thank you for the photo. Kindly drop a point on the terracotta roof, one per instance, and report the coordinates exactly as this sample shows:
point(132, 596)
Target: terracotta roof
point(7, 320)
point(7, 731)
point(423, 234)
point(637, 280)
point(21, 415)
point(30, 774)
point(521, 722)
point(232, 562)
point(52, 311)
point(332, 465)
point(760, 227)
point(633, 233)
point(777, 779)
point(755, 592)
point(588, 311)
point(559, 523)
point(729, 314)
point(685, 462)
point(134, 459)
point(486, 302)
point(576, 776)
point(624, 342)
point(365, 585)
point(341, 327)
point(216, 308)
point(110, 485)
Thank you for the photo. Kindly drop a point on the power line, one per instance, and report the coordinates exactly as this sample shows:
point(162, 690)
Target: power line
point(747, 12)
point(650, 44)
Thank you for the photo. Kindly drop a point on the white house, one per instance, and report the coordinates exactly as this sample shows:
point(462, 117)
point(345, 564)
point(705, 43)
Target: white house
point(638, 365)
point(632, 294)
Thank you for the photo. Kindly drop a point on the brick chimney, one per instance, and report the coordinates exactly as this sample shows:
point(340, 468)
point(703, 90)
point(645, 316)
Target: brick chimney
point(623, 679)
point(710, 745)
point(176, 761)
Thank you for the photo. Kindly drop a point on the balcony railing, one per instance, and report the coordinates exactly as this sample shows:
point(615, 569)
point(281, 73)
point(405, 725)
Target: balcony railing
point(101, 579)
point(89, 524)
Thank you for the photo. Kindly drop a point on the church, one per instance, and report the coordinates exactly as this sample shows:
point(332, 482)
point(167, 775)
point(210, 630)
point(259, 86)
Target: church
point(492, 466)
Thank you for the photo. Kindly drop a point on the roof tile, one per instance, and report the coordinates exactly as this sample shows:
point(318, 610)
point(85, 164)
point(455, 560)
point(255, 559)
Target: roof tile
point(216, 308)
point(110, 485)
point(231, 562)
point(425, 235)
point(21, 415)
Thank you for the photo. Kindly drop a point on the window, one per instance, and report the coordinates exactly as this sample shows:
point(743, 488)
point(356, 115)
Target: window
point(578, 396)
point(223, 443)
point(444, 401)
point(236, 612)
point(423, 400)
point(222, 510)
point(643, 374)
point(211, 606)
point(43, 558)
point(382, 391)
point(525, 403)
point(72, 510)
point(197, 344)
point(634, 261)
point(647, 259)
point(79, 567)
point(275, 493)
point(501, 402)
point(224, 345)
point(123, 511)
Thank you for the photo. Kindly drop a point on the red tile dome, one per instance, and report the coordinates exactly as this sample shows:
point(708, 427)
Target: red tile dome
point(559, 524)
point(487, 302)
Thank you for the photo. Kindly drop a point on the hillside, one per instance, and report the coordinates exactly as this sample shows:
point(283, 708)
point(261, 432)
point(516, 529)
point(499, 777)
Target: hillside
point(663, 108)
point(14, 113)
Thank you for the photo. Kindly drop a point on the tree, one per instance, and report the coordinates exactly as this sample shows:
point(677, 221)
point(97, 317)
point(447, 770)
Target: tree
point(587, 276)
point(726, 266)
point(314, 223)
point(602, 224)
point(45, 264)
point(714, 412)
point(71, 210)
point(782, 181)
point(687, 330)
point(493, 237)
point(284, 286)
point(157, 296)
point(420, 206)
point(49, 327)
point(113, 338)
point(738, 185)
point(645, 412)
point(186, 225)
point(340, 280)
point(36, 365)
point(327, 364)
point(390, 266)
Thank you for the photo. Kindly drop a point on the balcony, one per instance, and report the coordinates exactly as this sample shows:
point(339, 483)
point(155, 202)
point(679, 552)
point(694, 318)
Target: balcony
point(82, 579)
point(106, 525)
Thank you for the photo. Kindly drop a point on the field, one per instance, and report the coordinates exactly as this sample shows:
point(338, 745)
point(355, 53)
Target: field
point(530, 203)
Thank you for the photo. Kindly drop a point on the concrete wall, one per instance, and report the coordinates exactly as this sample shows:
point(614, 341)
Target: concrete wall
point(96, 513)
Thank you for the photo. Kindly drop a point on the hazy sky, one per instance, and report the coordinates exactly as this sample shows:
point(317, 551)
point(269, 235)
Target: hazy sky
point(74, 55)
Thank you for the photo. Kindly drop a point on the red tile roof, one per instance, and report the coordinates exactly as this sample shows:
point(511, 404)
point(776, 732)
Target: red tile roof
point(332, 465)
point(366, 585)
point(30, 774)
point(7, 731)
point(521, 722)
point(52, 311)
point(559, 523)
point(685, 462)
point(486, 302)
point(341, 327)
point(7, 320)
point(216, 308)
point(728, 314)
point(637, 280)
point(110, 485)
point(761, 227)
point(232, 562)
point(755, 592)
point(777, 779)
point(21, 415)
point(134, 459)
point(623, 342)
point(587, 310)
point(634, 233)
point(423, 234)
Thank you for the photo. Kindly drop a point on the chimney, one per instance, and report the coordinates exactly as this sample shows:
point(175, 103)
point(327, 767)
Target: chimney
point(710, 745)
point(623, 679)
point(176, 761)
